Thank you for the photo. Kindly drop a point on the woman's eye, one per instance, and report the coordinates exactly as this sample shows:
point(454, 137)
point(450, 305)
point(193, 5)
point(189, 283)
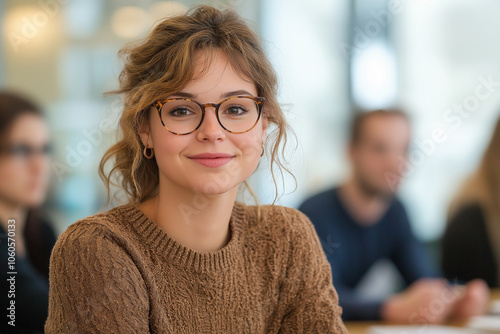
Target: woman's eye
point(21, 150)
point(180, 112)
point(235, 110)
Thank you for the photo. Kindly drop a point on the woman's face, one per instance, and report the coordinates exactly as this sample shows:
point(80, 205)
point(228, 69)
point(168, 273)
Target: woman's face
point(176, 155)
point(24, 162)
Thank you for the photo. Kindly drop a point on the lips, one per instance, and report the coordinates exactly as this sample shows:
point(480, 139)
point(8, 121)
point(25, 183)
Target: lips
point(212, 160)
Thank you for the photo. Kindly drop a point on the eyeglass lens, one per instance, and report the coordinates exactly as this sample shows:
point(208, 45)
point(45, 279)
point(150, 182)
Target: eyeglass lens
point(235, 115)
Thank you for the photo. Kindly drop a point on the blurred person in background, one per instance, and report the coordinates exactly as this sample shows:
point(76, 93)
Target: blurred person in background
point(362, 221)
point(471, 242)
point(24, 176)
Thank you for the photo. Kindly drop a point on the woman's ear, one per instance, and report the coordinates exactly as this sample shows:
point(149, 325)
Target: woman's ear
point(144, 131)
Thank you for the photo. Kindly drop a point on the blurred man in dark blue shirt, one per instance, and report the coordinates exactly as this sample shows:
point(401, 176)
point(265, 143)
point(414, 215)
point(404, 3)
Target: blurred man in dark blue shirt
point(362, 221)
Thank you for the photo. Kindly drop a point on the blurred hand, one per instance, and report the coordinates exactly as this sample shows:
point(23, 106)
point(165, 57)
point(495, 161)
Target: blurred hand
point(473, 301)
point(427, 301)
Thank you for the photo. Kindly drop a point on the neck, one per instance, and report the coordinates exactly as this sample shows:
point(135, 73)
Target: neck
point(195, 220)
point(365, 208)
point(12, 211)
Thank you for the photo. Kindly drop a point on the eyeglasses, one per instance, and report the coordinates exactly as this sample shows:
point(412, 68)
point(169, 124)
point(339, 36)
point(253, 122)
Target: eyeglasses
point(236, 114)
point(25, 151)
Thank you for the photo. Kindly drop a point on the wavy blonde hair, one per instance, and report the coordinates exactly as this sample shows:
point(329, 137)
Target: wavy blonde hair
point(161, 65)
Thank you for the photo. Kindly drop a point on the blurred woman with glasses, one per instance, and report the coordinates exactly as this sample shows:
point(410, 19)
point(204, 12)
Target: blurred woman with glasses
point(26, 238)
point(183, 256)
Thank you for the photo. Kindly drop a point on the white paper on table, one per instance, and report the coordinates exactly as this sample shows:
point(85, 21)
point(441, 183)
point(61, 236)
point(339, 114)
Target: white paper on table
point(421, 329)
point(495, 307)
point(487, 323)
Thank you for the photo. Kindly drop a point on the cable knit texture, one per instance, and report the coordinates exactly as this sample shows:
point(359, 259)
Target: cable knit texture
point(119, 272)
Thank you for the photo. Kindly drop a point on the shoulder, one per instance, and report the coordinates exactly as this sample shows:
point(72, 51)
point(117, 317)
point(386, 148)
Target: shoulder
point(96, 244)
point(319, 200)
point(282, 222)
point(294, 237)
point(291, 217)
point(114, 219)
point(471, 210)
point(466, 231)
point(102, 227)
point(467, 218)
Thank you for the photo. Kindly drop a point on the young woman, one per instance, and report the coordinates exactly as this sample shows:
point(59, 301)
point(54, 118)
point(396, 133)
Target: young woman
point(183, 256)
point(26, 237)
point(471, 243)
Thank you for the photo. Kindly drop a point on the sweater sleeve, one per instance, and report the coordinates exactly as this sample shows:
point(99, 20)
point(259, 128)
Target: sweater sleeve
point(312, 301)
point(95, 287)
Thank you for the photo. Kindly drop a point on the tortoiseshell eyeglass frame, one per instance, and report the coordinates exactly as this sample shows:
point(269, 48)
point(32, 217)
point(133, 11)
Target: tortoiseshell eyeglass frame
point(258, 100)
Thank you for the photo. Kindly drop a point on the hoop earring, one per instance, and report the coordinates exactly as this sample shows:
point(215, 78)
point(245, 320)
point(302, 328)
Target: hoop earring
point(262, 152)
point(149, 156)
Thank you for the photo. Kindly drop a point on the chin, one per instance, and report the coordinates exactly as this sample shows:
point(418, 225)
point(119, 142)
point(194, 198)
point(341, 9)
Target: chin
point(212, 189)
point(214, 185)
point(28, 199)
point(388, 192)
point(30, 203)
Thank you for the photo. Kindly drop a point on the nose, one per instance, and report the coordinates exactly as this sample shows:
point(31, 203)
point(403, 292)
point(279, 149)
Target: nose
point(210, 130)
point(40, 164)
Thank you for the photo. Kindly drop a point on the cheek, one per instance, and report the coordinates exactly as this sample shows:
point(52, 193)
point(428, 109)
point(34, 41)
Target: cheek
point(374, 161)
point(392, 164)
point(366, 161)
point(167, 148)
point(42, 173)
point(13, 179)
point(12, 173)
point(250, 145)
point(168, 145)
point(371, 166)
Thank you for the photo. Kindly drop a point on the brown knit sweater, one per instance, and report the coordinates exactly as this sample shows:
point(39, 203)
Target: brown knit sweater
point(119, 272)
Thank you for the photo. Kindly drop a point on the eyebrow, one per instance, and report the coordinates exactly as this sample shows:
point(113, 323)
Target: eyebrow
point(236, 92)
point(224, 95)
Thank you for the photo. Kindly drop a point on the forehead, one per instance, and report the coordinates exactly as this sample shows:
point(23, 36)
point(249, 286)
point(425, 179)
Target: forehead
point(28, 128)
point(214, 75)
point(388, 128)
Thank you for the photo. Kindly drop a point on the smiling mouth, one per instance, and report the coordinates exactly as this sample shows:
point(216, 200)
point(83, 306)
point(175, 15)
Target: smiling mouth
point(212, 160)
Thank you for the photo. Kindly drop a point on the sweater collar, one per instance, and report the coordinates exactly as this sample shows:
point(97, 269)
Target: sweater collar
point(163, 245)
